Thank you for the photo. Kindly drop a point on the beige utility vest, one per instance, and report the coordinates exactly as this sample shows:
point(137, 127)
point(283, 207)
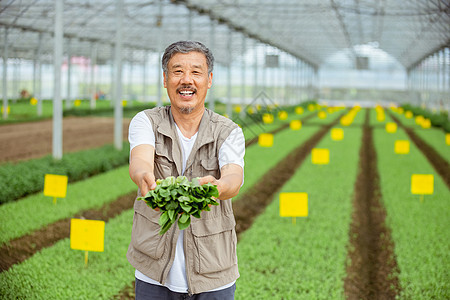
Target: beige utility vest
point(209, 242)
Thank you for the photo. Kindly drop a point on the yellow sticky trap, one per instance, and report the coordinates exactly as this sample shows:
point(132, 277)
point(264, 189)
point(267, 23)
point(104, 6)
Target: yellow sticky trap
point(55, 185)
point(381, 117)
point(33, 101)
point(311, 107)
point(320, 156)
point(409, 114)
point(391, 127)
point(268, 118)
point(337, 134)
point(447, 138)
point(426, 123)
point(77, 102)
point(265, 140)
point(299, 110)
point(282, 115)
point(237, 109)
point(422, 184)
point(419, 120)
point(295, 125)
point(88, 235)
point(124, 103)
point(346, 121)
point(322, 115)
point(250, 110)
point(8, 109)
point(401, 147)
point(293, 204)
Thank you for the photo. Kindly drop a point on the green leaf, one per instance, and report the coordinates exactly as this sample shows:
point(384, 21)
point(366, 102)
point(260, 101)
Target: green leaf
point(163, 218)
point(184, 221)
point(171, 214)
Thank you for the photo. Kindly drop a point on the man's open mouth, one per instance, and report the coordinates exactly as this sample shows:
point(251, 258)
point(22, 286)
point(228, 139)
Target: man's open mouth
point(186, 92)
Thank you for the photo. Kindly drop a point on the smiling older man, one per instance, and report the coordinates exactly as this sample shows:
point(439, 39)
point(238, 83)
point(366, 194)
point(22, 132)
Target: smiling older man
point(185, 138)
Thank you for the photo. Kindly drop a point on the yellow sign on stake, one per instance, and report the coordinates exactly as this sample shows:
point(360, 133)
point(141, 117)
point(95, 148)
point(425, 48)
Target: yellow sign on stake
point(265, 140)
point(447, 138)
point(55, 186)
point(282, 115)
point(295, 125)
point(293, 205)
point(268, 118)
point(337, 134)
point(422, 184)
point(391, 127)
point(320, 156)
point(401, 147)
point(87, 235)
point(299, 110)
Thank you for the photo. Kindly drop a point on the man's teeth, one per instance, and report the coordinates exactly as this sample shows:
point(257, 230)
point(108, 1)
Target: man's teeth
point(186, 93)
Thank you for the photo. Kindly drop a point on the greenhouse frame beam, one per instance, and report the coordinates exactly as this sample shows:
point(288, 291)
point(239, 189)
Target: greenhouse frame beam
point(237, 28)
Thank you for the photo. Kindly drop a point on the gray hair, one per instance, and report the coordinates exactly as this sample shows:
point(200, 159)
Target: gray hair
point(186, 47)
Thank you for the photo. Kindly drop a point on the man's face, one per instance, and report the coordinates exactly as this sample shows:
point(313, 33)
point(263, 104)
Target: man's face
point(187, 81)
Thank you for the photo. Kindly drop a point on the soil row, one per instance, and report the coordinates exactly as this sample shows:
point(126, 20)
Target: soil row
point(372, 272)
point(34, 140)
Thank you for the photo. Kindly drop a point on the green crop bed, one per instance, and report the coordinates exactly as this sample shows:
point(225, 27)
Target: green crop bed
point(33, 212)
point(59, 272)
point(280, 260)
point(420, 230)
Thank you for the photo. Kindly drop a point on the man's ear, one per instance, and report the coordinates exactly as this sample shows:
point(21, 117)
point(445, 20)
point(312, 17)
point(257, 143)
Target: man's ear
point(164, 81)
point(210, 80)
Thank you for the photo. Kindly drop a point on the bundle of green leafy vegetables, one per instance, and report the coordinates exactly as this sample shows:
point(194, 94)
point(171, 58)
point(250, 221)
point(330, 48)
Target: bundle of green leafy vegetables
point(180, 197)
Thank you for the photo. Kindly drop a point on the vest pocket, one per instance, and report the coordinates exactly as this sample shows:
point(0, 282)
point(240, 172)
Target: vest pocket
point(145, 235)
point(215, 240)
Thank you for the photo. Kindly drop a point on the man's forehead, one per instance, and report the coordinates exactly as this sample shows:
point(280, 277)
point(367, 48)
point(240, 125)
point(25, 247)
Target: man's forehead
point(194, 59)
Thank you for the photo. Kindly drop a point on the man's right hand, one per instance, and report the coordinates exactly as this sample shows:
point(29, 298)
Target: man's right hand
point(146, 183)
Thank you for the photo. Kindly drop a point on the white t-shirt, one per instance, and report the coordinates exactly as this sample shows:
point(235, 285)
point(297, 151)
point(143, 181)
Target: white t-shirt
point(231, 151)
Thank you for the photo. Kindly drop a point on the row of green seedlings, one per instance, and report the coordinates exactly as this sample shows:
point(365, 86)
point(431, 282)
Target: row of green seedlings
point(305, 259)
point(419, 223)
point(434, 136)
point(112, 250)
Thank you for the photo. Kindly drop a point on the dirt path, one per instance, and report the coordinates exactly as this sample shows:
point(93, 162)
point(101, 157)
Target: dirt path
point(441, 165)
point(34, 139)
point(373, 271)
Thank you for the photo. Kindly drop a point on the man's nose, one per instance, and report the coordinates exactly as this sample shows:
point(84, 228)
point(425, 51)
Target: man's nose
point(186, 78)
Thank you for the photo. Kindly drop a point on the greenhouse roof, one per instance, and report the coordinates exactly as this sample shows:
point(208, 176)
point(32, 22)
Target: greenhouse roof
point(313, 31)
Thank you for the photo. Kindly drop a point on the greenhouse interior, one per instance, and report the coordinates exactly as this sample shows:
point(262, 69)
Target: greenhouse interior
point(348, 99)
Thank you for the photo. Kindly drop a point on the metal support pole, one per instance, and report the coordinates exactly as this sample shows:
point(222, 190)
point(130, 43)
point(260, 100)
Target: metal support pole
point(57, 61)
point(39, 76)
point(212, 39)
point(144, 77)
point(255, 69)
point(93, 79)
point(229, 109)
point(69, 74)
point(159, 101)
point(243, 87)
point(118, 112)
point(5, 74)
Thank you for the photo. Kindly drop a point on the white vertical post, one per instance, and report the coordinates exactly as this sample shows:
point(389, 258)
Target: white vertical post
point(69, 74)
point(229, 109)
point(255, 77)
point(243, 65)
point(57, 61)
point(39, 76)
point(93, 79)
point(118, 112)
point(144, 76)
point(5, 74)
point(159, 102)
point(212, 39)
